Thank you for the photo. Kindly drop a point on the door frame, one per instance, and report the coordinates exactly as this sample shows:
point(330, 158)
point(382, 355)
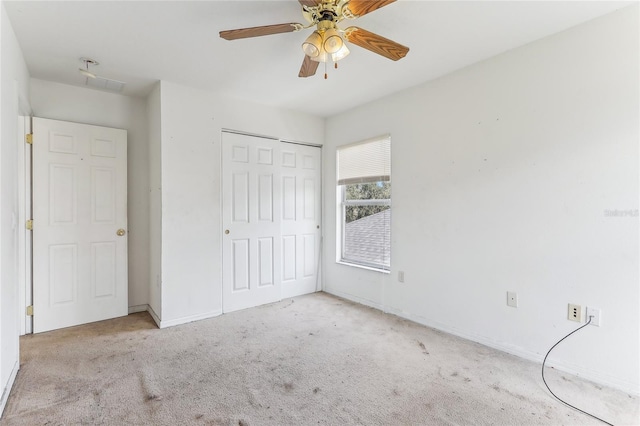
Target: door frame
point(25, 205)
point(320, 268)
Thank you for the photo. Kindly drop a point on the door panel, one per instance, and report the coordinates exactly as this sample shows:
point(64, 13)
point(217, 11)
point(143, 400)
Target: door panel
point(251, 215)
point(63, 264)
point(79, 203)
point(301, 219)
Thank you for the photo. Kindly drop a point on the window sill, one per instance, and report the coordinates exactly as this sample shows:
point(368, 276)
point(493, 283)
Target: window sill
point(369, 268)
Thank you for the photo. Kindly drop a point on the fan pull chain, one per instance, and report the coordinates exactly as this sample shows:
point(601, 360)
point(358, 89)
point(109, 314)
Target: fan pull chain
point(325, 70)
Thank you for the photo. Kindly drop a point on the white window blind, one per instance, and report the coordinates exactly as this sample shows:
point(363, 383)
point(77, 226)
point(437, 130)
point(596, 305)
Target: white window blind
point(365, 162)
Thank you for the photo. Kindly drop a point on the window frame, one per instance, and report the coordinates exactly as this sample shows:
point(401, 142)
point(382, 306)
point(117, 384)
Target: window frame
point(343, 203)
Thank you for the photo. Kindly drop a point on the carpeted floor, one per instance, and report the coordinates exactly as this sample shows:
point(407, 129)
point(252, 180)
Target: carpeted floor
point(315, 359)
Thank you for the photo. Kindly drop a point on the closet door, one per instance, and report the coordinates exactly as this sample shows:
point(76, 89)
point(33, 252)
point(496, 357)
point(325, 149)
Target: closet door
point(271, 203)
point(301, 210)
point(251, 194)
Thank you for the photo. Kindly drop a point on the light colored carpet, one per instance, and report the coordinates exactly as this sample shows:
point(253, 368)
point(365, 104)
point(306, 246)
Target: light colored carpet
point(315, 359)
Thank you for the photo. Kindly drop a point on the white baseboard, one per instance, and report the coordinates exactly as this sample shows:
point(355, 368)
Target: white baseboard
point(7, 390)
point(155, 316)
point(138, 308)
point(604, 379)
point(170, 323)
point(191, 318)
point(353, 298)
point(145, 308)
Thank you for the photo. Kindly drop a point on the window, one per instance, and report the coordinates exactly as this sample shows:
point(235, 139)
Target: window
point(364, 190)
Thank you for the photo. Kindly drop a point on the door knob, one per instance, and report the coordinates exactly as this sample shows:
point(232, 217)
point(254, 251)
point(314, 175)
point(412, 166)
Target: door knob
point(226, 231)
point(120, 232)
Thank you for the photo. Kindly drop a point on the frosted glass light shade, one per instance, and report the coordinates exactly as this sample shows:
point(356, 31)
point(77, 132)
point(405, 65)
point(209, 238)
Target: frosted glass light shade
point(342, 53)
point(312, 46)
point(322, 57)
point(332, 41)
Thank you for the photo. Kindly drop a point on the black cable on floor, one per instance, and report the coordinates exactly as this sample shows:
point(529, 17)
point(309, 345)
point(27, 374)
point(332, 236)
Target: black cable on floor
point(556, 396)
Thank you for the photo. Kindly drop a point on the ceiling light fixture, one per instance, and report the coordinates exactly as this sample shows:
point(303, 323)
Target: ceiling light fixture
point(326, 44)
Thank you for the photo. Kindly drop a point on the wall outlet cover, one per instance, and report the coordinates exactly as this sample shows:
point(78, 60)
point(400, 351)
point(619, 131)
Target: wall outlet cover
point(512, 299)
point(574, 312)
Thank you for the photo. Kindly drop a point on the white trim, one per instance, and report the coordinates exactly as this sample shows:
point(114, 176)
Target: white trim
point(139, 308)
point(7, 390)
point(221, 212)
point(153, 314)
point(356, 299)
point(347, 262)
point(240, 132)
point(23, 181)
point(571, 368)
point(191, 318)
point(315, 145)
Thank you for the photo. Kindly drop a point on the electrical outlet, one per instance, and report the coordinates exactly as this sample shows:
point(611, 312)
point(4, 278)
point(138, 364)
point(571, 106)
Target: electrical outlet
point(512, 299)
point(596, 316)
point(575, 313)
point(401, 276)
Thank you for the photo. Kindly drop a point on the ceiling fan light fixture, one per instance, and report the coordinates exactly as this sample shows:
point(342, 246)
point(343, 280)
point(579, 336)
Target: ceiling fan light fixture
point(332, 41)
point(312, 46)
point(340, 54)
point(322, 57)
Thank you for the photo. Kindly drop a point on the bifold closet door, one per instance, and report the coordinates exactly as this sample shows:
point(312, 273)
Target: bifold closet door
point(301, 220)
point(251, 252)
point(271, 202)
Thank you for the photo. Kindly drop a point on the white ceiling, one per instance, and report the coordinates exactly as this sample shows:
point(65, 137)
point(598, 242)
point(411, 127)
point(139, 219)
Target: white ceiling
point(141, 42)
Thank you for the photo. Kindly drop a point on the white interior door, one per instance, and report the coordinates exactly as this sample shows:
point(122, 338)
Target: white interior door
point(251, 221)
point(301, 218)
point(79, 224)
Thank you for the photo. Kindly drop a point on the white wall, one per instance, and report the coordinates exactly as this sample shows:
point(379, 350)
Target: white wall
point(192, 121)
point(502, 173)
point(14, 91)
point(82, 105)
point(155, 202)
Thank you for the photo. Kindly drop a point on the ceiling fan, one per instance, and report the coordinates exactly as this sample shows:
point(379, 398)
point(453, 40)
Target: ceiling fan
point(327, 42)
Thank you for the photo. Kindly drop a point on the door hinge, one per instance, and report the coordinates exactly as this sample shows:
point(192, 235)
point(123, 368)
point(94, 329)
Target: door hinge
point(30, 310)
point(30, 224)
point(29, 138)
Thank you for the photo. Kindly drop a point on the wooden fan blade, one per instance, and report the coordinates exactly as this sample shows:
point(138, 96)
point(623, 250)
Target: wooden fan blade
point(309, 3)
point(259, 31)
point(308, 67)
point(375, 43)
point(362, 7)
